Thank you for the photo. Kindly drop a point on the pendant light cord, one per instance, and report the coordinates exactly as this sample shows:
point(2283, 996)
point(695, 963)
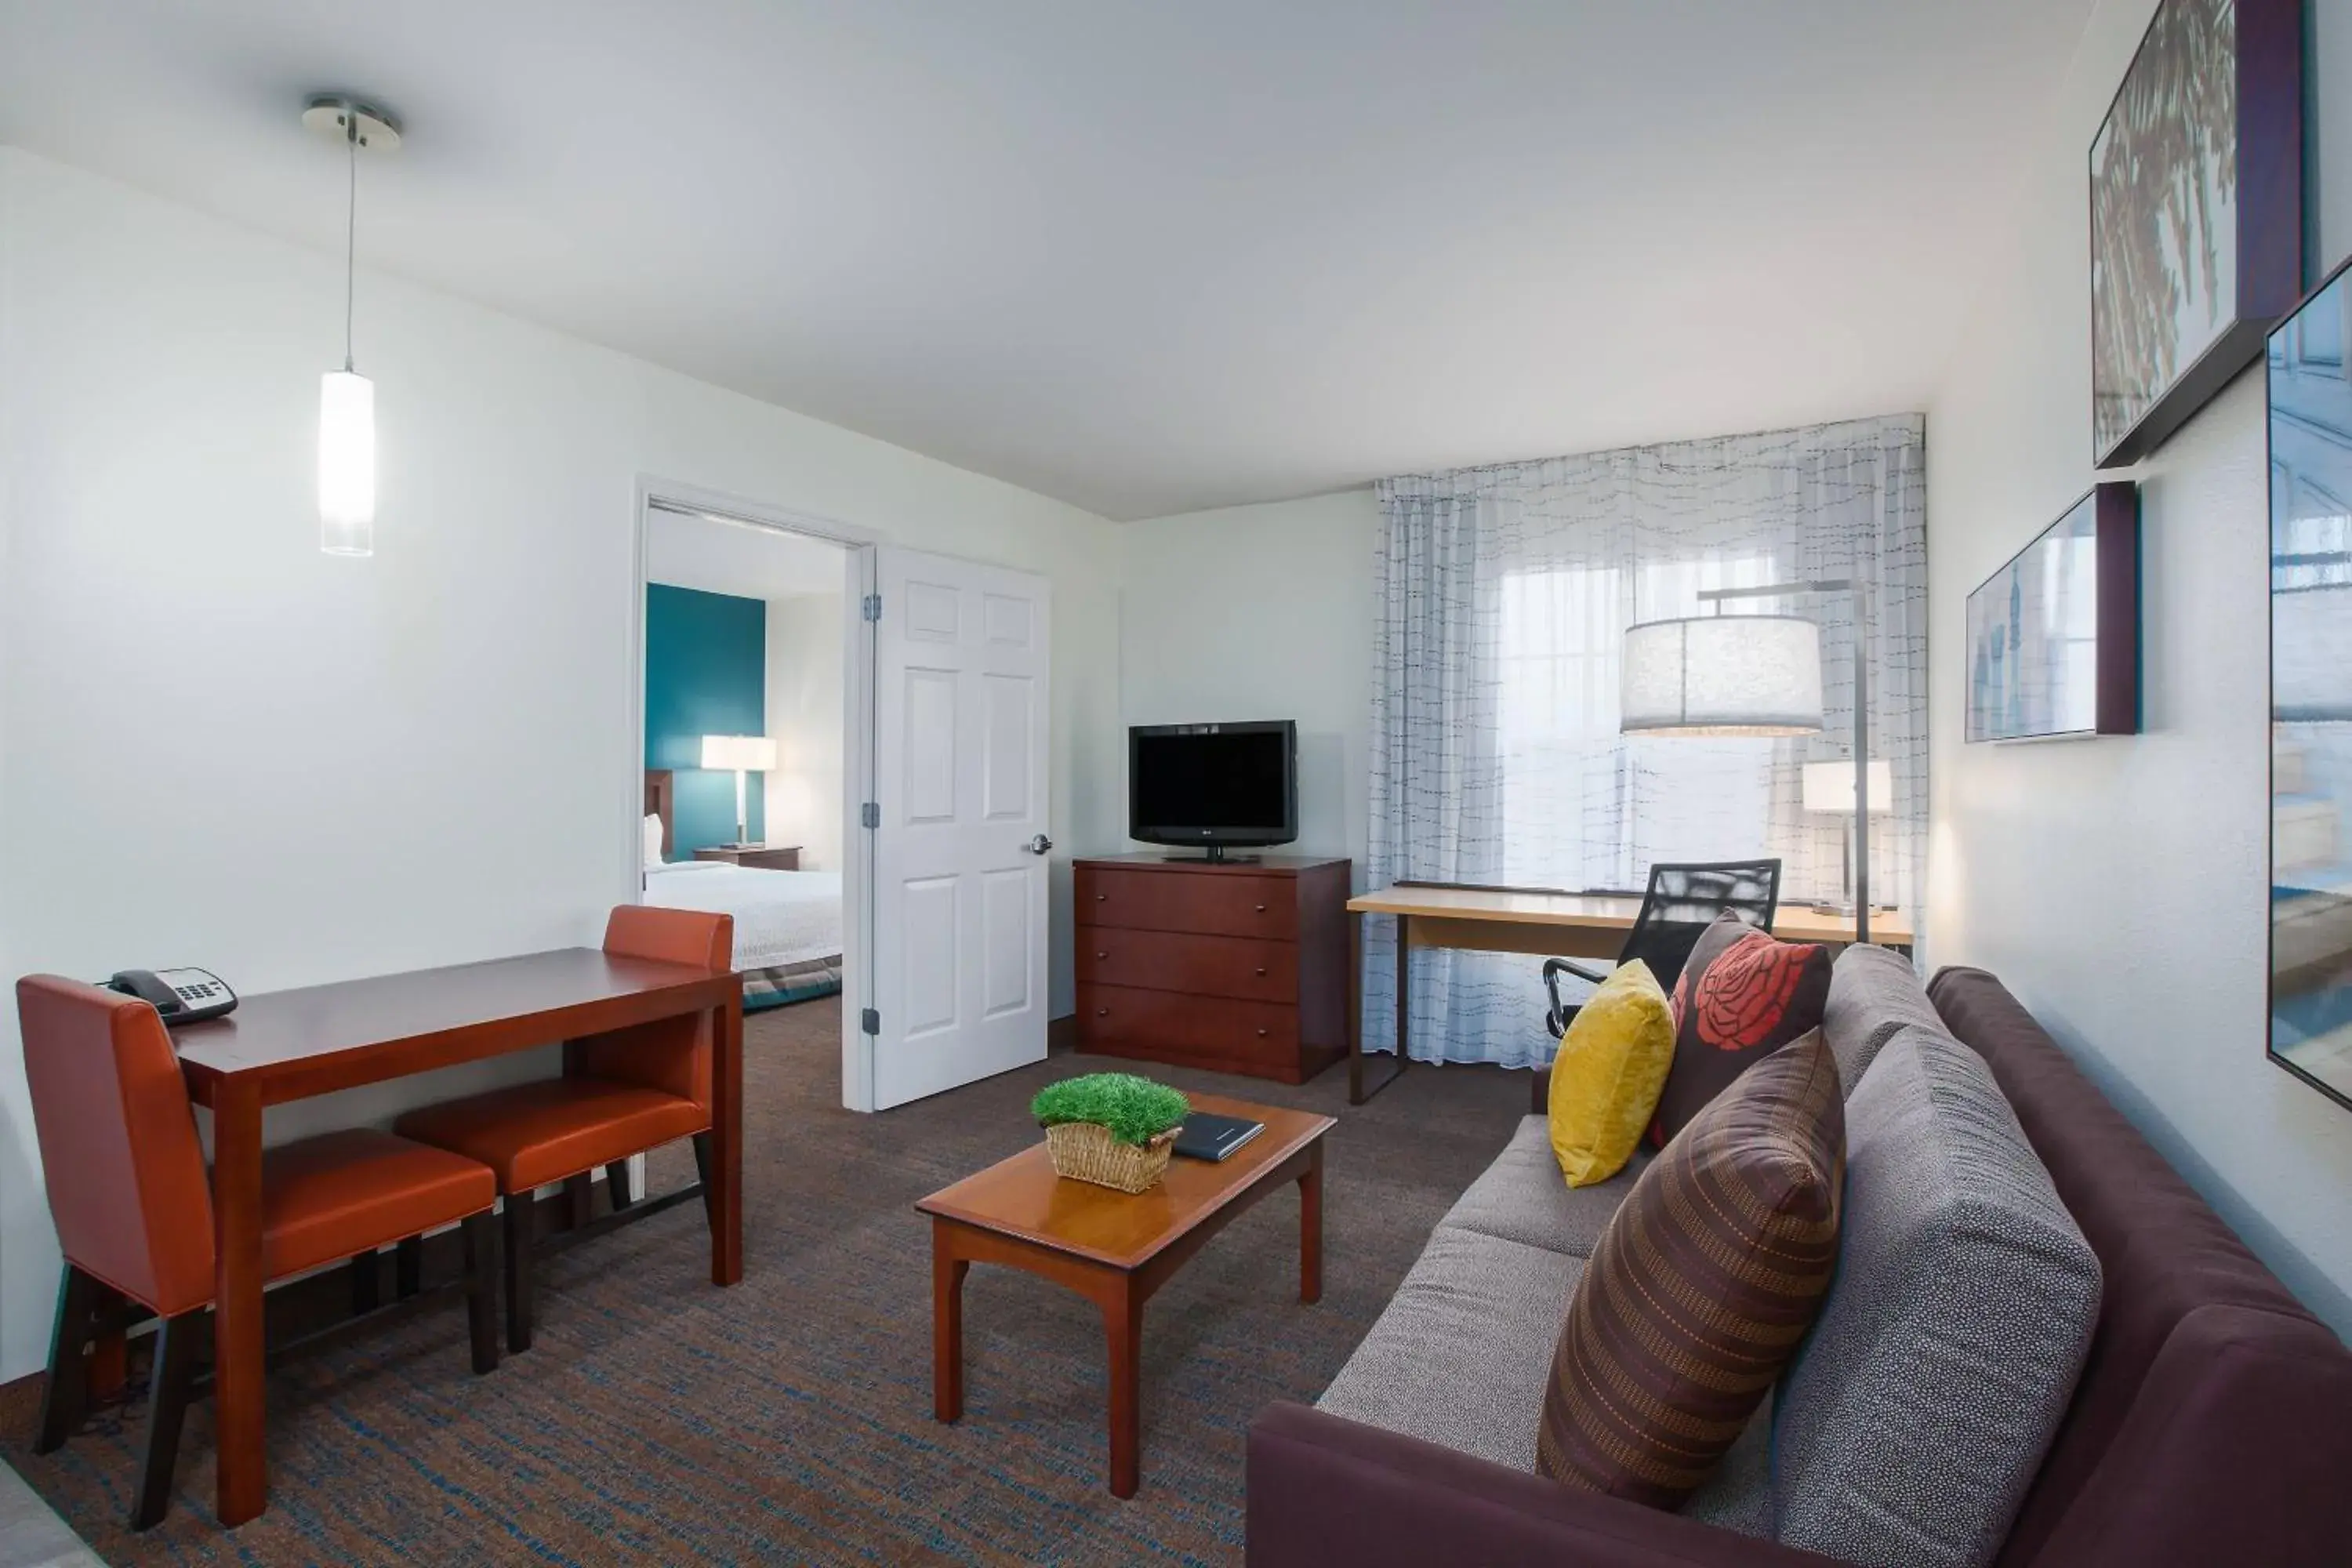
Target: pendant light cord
point(351, 228)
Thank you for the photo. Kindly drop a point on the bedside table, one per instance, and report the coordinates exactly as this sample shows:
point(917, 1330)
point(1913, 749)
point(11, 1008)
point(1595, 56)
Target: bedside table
point(759, 857)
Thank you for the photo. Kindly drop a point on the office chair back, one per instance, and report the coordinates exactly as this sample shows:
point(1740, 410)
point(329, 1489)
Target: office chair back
point(120, 1155)
point(1685, 898)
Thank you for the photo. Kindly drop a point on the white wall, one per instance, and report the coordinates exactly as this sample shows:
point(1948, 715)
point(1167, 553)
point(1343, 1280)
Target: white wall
point(806, 683)
point(1261, 612)
point(224, 748)
point(2119, 886)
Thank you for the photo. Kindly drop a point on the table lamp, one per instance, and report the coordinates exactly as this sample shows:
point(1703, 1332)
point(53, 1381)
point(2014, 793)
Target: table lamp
point(746, 754)
point(1828, 791)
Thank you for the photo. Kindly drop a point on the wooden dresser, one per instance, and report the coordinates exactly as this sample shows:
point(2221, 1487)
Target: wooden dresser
point(1237, 966)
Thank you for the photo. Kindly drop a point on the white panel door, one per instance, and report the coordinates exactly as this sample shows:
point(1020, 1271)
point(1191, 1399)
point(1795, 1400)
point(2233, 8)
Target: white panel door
point(960, 853)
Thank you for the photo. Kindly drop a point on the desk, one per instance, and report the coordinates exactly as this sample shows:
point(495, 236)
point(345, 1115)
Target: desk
point(1553, 925)
point(291, 1045)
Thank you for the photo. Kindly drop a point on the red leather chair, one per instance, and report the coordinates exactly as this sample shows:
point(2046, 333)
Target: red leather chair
point(621, 1093)
point(132, 1202)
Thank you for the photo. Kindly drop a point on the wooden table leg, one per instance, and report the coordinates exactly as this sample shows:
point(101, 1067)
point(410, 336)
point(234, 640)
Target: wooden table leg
point(237, 1307)
point(1122, 1311)
point(1310, 1227)
point(727, 1144)
point(946, 1325)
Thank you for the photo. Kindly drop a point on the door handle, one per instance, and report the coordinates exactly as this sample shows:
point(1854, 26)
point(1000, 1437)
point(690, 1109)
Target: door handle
point(1039, 844)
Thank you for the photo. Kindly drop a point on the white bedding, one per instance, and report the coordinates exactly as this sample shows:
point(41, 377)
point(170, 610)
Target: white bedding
point(781, 917)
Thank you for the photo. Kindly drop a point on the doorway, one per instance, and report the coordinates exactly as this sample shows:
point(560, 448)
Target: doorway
point(890, 754)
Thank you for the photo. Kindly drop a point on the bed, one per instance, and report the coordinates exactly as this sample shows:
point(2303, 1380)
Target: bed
point(787, 923)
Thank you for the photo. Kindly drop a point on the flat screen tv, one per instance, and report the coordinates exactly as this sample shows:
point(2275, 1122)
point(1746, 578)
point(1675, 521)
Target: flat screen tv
point(1221, 786)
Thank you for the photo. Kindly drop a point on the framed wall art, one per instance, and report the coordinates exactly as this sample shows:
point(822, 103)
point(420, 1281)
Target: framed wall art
point(2311, 693)
point(2053, 636)
point(2196, 215)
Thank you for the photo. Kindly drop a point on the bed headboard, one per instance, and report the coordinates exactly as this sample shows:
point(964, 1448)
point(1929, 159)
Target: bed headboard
point(661, 791)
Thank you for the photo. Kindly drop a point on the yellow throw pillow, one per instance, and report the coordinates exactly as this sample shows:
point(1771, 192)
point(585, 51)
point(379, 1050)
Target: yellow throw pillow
point(1610, 1071)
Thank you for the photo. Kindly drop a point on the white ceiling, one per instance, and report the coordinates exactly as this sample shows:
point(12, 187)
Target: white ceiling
point(1145, 258)
point(721, 557)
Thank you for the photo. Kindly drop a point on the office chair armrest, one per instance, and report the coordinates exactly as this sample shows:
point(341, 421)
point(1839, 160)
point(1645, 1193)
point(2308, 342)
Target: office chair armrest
point(1559, 1014)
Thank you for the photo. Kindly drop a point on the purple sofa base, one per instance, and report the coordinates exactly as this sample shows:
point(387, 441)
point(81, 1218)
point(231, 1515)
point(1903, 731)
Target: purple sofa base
point(2212, 1422)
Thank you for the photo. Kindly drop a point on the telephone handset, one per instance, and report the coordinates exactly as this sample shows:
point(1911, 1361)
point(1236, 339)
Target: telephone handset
point(181, 995)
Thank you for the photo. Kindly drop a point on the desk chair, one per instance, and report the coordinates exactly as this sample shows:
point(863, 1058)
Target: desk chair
point(1682, 901)
point(621, 1094)
point(132, 1202)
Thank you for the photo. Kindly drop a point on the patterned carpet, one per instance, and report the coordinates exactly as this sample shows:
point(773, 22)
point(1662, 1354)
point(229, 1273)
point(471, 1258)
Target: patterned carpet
point(657, 1419)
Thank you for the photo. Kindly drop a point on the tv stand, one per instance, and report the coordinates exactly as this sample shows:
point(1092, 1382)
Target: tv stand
point(1241, 968)
point(1215, 855)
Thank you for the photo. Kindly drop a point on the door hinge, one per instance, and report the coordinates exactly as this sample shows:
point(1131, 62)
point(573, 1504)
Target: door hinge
point(870, 814)
point(870, 1022)
point(872, 608)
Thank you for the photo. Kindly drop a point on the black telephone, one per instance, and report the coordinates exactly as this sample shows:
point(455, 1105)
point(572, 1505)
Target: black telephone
point(181, 995)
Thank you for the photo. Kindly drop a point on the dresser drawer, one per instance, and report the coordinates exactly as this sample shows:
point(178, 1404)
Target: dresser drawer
point(1254, 969)
point(1211, 903)
point(1172, 1027)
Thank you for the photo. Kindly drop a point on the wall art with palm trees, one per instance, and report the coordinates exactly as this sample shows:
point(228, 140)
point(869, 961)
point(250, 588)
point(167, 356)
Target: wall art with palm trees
point(2196, 214)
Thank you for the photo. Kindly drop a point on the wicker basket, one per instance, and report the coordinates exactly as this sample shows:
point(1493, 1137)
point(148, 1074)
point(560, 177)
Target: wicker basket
point(1085, 1151)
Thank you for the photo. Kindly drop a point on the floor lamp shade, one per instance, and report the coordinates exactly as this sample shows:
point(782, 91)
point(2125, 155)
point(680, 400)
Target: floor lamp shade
point(1723, 675)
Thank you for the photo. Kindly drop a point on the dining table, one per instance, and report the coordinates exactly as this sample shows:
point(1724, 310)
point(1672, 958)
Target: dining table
point(280, 1047)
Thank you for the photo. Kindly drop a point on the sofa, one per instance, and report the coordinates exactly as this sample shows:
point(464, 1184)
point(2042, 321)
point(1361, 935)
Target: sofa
point(2210, 1423)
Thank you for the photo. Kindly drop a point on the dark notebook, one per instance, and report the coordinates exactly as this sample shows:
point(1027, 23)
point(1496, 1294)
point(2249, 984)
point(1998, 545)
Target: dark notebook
point(1207, 1136)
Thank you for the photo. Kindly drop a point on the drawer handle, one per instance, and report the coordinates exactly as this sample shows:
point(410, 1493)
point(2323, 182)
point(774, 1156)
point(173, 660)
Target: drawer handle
point(1261, 908)
point(1261, 1034)
point(1102, 1012)
point(1260, 972)
point(1100, 953)
point(1102, 897)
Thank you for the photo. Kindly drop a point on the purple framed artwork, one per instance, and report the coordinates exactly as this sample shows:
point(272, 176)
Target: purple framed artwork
point(2311, 693)
point(2196, 215)
point(2053, 636)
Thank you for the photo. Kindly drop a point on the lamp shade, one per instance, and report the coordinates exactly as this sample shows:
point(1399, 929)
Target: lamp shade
point(1829, 787)
point(346, 464)
point(746, 753)
point(1726, 675)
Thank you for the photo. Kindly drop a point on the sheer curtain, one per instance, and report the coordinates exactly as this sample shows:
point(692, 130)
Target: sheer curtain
point(1503, 595)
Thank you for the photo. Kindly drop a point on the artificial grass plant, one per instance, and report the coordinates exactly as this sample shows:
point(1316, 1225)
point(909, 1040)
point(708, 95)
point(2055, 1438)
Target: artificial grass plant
point(1135, 1109)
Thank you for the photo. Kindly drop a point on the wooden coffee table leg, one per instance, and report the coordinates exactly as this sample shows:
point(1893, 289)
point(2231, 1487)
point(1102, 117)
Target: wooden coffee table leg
point(947, 1324)
point(1310, 1227)
point(1122, 1311)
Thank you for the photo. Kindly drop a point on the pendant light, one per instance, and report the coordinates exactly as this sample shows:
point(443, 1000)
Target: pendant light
point(346, 398)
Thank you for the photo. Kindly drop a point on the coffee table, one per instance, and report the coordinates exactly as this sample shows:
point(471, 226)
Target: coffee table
point(1114, 1248)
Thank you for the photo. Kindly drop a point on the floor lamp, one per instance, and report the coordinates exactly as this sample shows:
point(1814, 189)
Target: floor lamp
point(1752, 675)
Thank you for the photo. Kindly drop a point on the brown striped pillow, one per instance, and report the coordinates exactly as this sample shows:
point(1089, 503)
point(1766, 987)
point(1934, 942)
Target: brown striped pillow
point(1702, 1286)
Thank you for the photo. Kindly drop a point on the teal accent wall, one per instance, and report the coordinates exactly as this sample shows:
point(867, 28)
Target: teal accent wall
point(706, 674)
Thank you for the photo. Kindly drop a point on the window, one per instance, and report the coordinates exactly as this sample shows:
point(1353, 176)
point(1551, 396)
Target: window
point(1583, 807)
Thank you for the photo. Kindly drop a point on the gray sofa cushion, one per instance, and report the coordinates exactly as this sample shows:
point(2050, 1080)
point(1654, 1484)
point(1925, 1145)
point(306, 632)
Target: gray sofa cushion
point(1873, 992)
point(1463, 1351)
point(1523, 1197)
point(1921, 1408)
point(1738, 1496)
